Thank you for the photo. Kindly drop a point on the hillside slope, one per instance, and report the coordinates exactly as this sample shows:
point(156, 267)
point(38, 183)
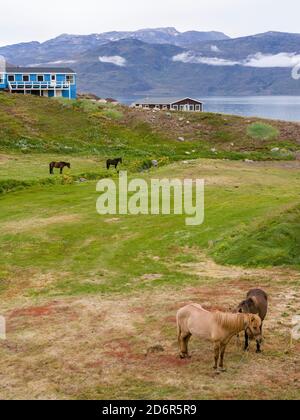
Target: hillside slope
point(39, 125)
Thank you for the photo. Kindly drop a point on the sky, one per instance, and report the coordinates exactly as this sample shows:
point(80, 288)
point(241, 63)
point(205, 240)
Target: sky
point(32, 20)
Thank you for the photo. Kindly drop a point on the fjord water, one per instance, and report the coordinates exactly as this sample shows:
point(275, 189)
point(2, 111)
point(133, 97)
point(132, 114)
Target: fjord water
point(285, 108)
point(273, 107)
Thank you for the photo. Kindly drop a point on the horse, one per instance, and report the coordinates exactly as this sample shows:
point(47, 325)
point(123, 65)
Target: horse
point(58, 165)
point(255, 303)
point(113, 162)
point(217, 327)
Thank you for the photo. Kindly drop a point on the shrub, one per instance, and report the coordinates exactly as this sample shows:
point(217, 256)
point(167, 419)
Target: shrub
point(262, 131)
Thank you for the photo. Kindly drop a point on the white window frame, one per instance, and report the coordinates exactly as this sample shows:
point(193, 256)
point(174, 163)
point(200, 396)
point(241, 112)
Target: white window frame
point(26, 75)
point(11, 75)
point(191, 108)
point(197, 107)
point(53, 77)
point(2, 78)
point(40, 75)
point(72, 82)
point(175, 107)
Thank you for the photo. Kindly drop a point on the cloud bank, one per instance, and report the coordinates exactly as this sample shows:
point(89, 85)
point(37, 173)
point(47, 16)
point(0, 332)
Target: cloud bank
point(259, 60)
point(286, 60)
point(190, 57)
point(117, 60)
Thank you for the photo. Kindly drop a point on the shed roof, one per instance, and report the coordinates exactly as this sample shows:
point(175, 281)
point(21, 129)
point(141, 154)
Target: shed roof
point(16, 69)
point(163, 101)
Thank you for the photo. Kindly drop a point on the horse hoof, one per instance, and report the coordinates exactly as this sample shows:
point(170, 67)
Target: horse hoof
point(258, 351)
point(222, 370)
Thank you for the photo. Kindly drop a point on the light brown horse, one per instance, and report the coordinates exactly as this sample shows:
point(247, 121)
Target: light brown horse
point(217, 327)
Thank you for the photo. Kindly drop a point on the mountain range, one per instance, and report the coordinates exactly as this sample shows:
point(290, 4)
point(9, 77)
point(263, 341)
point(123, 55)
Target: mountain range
point(166, 62)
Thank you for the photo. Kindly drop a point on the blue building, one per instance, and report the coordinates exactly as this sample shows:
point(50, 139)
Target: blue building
point(40, 81)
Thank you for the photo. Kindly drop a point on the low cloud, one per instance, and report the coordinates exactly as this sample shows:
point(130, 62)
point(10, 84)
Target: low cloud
point(286, 60)
point(259, 60)
point(189, 57)
point(53, 63)
point(117, 60)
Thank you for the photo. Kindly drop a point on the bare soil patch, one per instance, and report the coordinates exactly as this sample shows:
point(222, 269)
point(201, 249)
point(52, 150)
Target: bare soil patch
point(91, 345)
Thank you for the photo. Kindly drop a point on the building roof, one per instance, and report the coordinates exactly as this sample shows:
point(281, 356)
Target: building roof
point(16, 69)
point(163, 101)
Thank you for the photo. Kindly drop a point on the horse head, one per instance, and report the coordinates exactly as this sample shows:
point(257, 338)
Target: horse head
point(253, 326)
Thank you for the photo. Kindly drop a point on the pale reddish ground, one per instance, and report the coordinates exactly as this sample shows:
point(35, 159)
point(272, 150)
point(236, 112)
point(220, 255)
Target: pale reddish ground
point(95, 346)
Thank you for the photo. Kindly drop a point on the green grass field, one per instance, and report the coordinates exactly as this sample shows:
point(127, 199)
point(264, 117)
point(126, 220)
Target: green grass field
point(85, 295)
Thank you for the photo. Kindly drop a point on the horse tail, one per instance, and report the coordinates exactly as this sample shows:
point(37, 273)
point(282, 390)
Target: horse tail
point(107, 165)
point(50, 168)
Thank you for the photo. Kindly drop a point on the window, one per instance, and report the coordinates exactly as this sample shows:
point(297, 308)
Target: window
point(11, 78)
point(1, 78)
point(175, 107)
point(40, 77)
point(70, 79)
point(26, 78)
point(192, 108)
point(53, 77)
point(198, 107)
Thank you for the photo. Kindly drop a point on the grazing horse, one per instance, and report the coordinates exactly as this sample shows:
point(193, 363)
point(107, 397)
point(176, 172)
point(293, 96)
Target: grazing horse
point(255, 303)
point(59, 165)
point(217, 327)
point(113, 162)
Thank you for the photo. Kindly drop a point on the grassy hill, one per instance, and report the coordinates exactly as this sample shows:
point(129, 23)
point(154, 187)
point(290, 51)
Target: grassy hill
point(85, 295)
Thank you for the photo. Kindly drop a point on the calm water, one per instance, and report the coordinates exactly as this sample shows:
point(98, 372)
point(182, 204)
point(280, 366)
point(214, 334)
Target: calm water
point(273, 107)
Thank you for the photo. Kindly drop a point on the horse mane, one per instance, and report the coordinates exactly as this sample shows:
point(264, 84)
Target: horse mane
point(230, 321)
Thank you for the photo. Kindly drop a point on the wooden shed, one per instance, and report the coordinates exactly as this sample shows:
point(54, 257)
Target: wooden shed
point(172, 104)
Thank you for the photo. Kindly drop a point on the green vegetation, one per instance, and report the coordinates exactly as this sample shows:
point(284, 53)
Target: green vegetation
point(86, 295)
point(272, 242)
point(262, 131)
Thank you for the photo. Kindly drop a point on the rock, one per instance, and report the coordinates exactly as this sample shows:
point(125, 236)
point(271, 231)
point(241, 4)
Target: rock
point(181, 119)
point(275, 150)
point(155, 349)
point(188, 122)
point(213, 150)
point(231, 144)
point(154, 163)
point(249, 161)
point(187, 153)
point(82, 180)
point(181, 139)
point(296, 327)
point(185, 162)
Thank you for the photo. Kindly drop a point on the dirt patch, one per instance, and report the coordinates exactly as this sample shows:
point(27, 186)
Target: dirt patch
point(34, 311)
point(80, 343)
point(3, 159)
point(37, 223)
point(208, 268)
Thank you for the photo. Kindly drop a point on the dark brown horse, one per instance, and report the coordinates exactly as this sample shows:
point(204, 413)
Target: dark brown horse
point(58, 165)
point(255, 303)
point(113, 162)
